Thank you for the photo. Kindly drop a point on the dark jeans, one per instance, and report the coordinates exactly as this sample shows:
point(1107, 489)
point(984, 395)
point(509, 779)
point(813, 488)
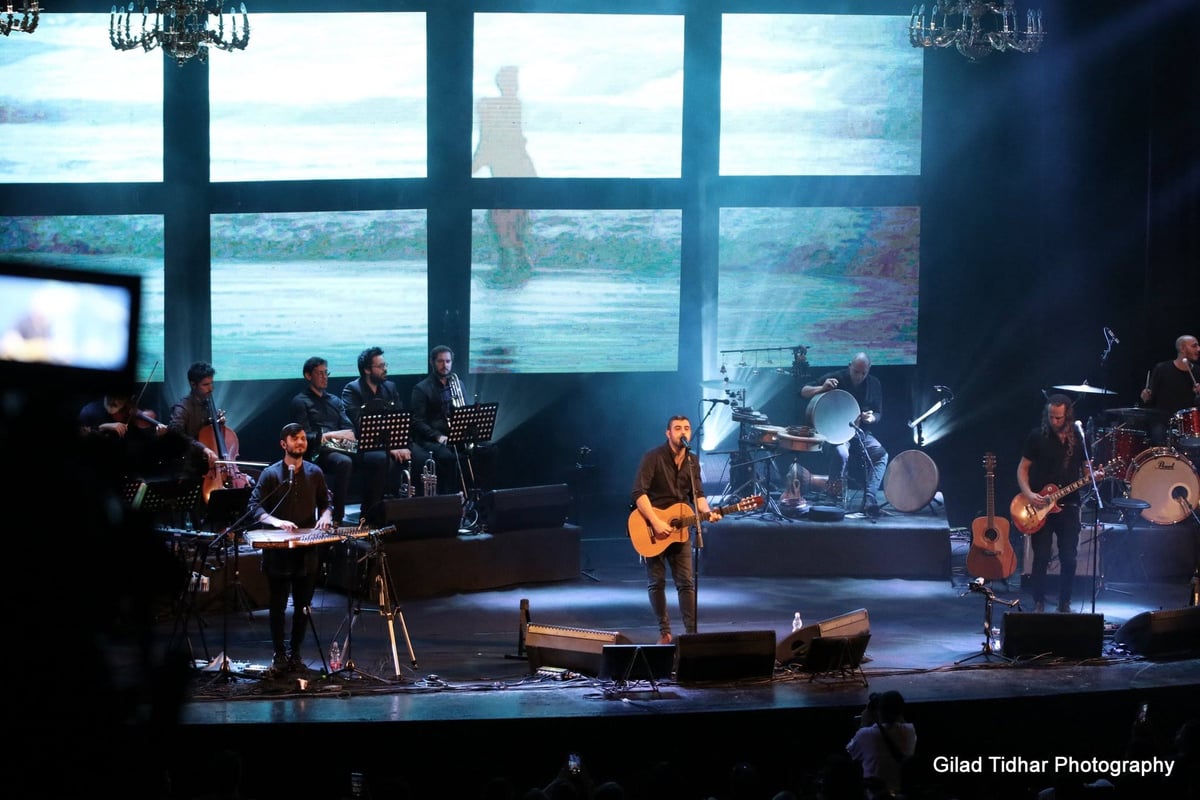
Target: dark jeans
point(301, 589)
point(848, 458)
point(1061, 527)
point(678, 557)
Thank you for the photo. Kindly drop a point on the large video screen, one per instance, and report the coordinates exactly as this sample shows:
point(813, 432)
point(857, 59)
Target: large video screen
point(578, 96)
point(330, 284)
point(119, 244)
point(575, 291)
point(819, 94)
point(836, 280)
point(321, 96)
point(74, 110)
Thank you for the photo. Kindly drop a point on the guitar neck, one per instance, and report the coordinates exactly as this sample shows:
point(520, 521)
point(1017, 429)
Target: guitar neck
point(1066, 490)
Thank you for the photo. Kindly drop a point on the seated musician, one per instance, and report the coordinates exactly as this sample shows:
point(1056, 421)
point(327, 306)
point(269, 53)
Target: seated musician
point(432, 401)
point(329, 429)
point(866, 449)
point(190, 415)
point(373, 392)
point(291, 494)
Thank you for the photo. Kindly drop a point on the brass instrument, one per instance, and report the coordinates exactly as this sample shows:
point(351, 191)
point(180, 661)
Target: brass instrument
point(406, 487)
point(456, 391)
point(429, 477)
point(348, 446)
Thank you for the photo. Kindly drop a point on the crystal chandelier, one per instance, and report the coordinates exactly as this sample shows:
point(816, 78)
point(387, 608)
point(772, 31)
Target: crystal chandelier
point(28, 20)
point(976, 28)
point(181, 28)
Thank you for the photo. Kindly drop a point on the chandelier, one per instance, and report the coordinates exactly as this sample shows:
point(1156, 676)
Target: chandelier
point(28, 20)
point(976, 28)
point(182, 28)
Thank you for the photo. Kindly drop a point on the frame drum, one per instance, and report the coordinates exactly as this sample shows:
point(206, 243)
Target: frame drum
point(910, 481)
point(1164, 479)
point(832, 413)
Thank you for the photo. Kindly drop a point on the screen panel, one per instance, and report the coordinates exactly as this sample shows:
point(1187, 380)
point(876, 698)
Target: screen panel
point(843, 280)
point(123, 245)
point(575, 290)
point(74, 110)
point(819, 94)
point(351, 103)
point(578, 95)
point(292, 285)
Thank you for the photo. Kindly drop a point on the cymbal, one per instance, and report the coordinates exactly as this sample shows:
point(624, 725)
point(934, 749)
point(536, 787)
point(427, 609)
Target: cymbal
point(1133, 413)
point(719, 383)
point(1084, 388)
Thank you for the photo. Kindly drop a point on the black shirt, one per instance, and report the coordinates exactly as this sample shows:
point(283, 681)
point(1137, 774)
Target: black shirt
point(665, 484)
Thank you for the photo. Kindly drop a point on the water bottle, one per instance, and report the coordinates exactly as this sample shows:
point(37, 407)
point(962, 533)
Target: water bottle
point(797, 623)
point(335, 657)
point(1194, 600)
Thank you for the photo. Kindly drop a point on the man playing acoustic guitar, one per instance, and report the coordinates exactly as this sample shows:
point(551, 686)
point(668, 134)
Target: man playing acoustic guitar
point(668, 475)
point(1052, 456)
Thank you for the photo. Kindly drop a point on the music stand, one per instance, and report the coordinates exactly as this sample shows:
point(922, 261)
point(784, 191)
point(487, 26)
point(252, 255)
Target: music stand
point(468, 425)
point(383, 430)
point(225, 506)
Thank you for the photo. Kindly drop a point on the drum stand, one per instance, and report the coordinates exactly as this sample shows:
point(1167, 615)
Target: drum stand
point(385, 590)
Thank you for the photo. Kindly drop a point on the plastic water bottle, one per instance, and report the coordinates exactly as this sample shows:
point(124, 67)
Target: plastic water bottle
point(797, 623)
point(335, 657)
point(1194, 599)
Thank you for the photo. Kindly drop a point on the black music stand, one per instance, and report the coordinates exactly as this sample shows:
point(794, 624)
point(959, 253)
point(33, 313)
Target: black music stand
point(179, 496)
point(468, 426)
point(383, 430)
point(225, 506)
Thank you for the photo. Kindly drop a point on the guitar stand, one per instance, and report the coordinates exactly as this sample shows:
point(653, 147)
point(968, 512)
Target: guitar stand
point(988, 652)
point(383, 586)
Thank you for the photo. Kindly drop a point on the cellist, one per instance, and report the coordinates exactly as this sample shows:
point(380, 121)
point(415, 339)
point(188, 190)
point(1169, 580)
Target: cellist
point(190, 415)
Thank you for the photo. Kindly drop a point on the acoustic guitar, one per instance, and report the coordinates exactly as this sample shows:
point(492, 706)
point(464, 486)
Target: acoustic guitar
point(991, 556)
point(681, 520)
point(1030, 519)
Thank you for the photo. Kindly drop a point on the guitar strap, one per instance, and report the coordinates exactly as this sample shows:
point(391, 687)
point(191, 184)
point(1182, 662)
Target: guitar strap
point(895, 751)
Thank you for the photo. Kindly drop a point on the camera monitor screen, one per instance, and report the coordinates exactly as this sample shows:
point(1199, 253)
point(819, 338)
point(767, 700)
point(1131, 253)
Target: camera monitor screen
point(68, 327)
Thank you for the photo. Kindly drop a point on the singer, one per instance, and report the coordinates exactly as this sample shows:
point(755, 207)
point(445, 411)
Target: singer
point(668, 475)
point(1052, 457)
point(1172, 387)
point(868, 391)
point(291, 494)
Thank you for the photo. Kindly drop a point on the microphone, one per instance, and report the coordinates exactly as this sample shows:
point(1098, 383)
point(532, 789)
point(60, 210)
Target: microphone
point(684, 443)
point(855, 426)
point(291, 476)
point(722, 400)
point(1108, 332)
point(1079, 427)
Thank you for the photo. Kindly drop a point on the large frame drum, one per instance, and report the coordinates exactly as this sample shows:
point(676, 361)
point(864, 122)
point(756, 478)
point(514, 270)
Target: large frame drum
point(910, 481)
point(833, 414)
point(1164, 479)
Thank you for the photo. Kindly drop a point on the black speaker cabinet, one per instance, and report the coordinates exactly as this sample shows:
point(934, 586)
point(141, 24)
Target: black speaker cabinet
point(1175, 631)
point(724, 656)
point(1065, 635)
point(797, 643)
point(420, 517)
point(526, 508)
point(576, 649)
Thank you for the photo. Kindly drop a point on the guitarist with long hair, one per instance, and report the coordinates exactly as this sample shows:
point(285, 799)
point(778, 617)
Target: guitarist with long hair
point(668, 475)
point(1053, 456)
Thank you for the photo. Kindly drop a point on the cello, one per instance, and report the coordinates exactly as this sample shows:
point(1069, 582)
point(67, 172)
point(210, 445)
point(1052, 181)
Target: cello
point(221, 439)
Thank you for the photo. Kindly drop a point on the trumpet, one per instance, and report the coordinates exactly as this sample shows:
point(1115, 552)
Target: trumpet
point(456, 391)
point(406, 487)
point(429, 479)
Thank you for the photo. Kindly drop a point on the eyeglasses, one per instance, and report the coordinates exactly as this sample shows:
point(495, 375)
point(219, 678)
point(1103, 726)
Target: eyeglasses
point(380, 365)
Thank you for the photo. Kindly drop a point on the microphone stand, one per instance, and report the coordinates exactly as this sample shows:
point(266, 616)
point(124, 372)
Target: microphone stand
point(1095, 516)
point(698, 540)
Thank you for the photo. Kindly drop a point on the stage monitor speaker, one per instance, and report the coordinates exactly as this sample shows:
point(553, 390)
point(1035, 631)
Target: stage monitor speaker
point(835, 653)
point(574, 649)
point(794, 647)
point(638, 662)
point(1065, 635)
point(526, 508)
point(1174, 632)
point(728, 656)
point(420, 517)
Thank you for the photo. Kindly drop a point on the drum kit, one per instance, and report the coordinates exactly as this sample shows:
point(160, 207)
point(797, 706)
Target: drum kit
point(1163, 475)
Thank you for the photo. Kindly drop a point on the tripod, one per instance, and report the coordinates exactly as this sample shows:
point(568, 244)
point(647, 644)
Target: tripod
point(385, 591)
point(988, 652)
point(752, 485)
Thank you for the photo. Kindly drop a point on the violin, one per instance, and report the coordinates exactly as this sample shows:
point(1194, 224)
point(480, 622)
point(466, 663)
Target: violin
point(221, 439)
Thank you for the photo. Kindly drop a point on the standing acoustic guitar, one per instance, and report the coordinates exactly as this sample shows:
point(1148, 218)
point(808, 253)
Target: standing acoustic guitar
point(991, 556)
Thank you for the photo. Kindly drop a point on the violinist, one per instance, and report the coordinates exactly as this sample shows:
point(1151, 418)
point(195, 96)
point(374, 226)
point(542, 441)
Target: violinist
point(116, 415)
point(190, 415)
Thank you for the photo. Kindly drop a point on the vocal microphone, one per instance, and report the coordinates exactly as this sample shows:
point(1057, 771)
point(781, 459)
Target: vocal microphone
point(722, 400)
point(1079, 427)
point(683, 442)
point(1108, 332)
point(291, 476)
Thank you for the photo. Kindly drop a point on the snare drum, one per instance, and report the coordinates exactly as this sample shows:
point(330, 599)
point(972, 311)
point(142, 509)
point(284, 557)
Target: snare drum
point(1185, 429)
point(1165, 480)
point(1119, 446)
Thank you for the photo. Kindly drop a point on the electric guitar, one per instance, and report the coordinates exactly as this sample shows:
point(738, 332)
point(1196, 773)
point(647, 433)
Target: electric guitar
point(680, 518)
point(991, 556)
point(1030, 519)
